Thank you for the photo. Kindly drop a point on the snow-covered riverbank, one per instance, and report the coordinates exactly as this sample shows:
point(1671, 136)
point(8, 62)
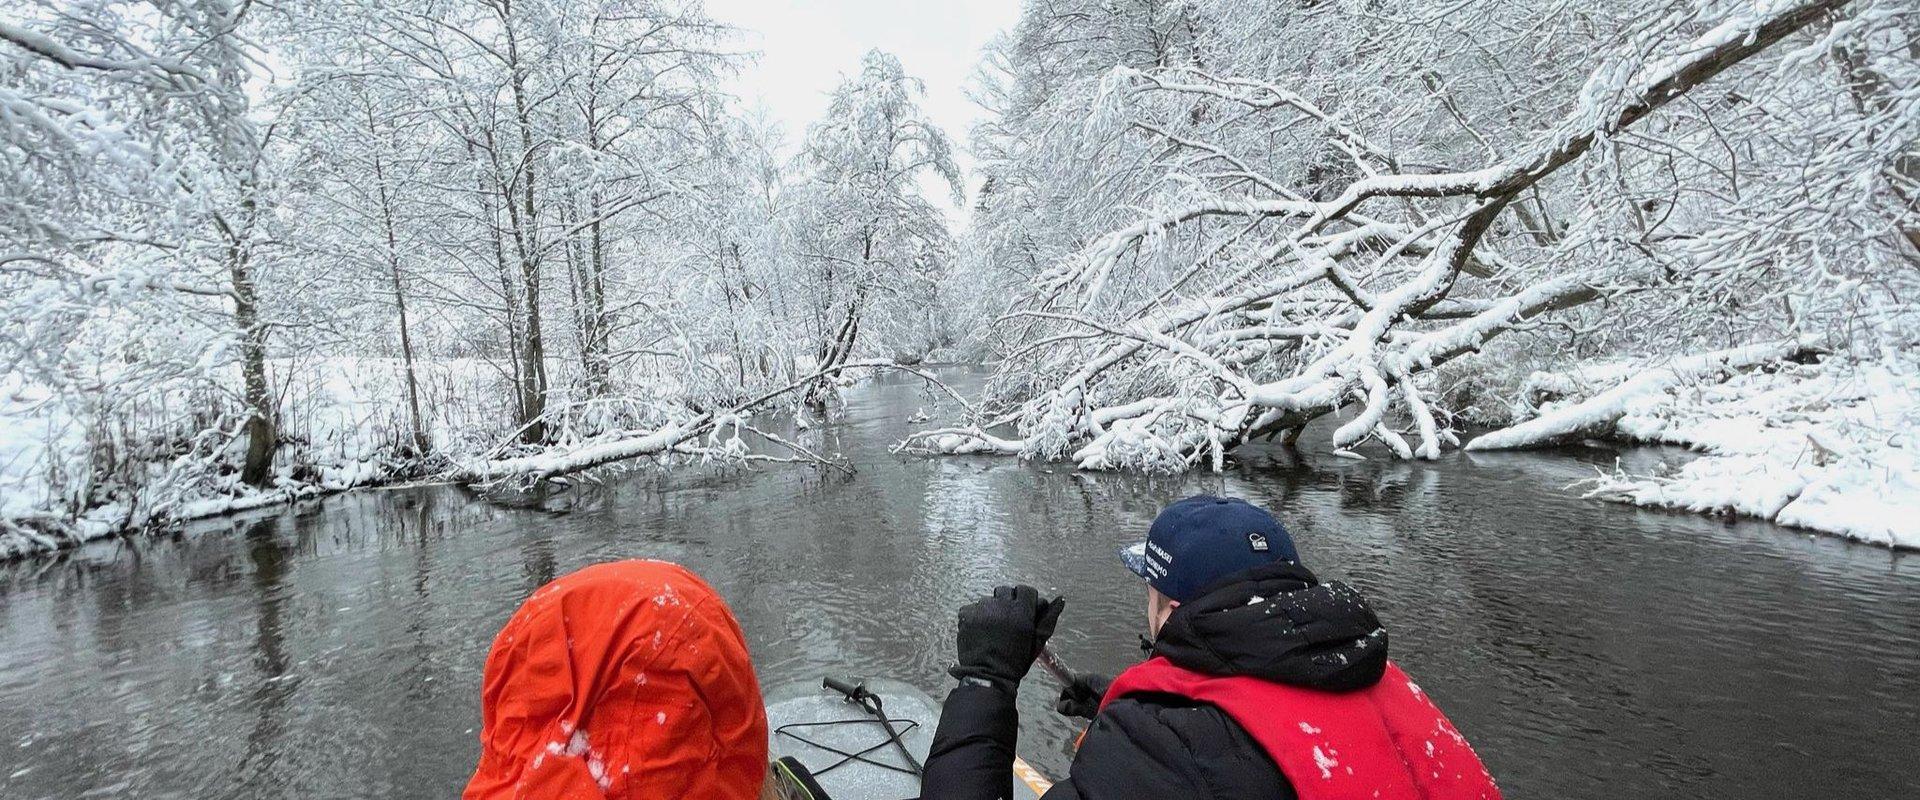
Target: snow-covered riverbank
point(1821, 446)
point(71, 473)
point(1828, 446)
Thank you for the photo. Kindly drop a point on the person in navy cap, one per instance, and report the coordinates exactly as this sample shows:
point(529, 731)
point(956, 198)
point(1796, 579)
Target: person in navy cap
point(1262, 683)
point(1209, 538)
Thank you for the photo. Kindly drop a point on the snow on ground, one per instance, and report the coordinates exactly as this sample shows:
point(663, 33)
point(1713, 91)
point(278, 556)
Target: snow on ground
point(351, 413)
point(344, 424)
point(31, 424)
point(1829, 447)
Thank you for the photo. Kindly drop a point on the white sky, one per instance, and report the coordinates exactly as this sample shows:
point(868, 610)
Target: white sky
point(805, 47)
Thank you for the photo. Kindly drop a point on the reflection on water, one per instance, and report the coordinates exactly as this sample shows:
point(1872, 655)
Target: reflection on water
point(1589, 650)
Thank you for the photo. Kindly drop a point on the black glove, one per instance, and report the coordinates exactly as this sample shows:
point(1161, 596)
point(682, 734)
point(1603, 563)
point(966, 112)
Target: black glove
point(1082, 697)
point(1001, 635)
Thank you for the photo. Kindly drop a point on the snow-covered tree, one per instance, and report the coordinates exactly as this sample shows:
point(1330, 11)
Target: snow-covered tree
point(257, 251)
point(1313, 207)
point(871, 246)
point(562, 146)
point(141, 200)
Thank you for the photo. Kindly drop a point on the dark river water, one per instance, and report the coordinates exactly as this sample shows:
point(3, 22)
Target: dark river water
point(1588, 650)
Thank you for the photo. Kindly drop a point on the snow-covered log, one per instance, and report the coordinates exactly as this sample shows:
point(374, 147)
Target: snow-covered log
point(1597, 414)
point(1802, 444)
point(714, 435)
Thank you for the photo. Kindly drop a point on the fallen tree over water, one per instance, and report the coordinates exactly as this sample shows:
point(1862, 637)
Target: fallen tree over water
point(1248, 307)
point(720, 436)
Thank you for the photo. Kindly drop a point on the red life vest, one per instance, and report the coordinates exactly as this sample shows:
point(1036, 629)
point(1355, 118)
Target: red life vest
point(1385, 742)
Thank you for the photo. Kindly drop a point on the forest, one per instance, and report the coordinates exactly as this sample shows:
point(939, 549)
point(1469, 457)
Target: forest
point(257, 251)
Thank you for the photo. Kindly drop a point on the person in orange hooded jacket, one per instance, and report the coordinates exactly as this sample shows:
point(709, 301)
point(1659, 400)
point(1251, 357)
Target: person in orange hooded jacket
point(622, 680)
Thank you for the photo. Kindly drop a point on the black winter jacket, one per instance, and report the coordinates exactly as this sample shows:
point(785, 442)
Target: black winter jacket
point(1157, 746)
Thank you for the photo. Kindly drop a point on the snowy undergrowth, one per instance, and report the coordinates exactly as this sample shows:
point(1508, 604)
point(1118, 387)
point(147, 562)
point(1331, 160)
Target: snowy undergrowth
point(1828, 446)
point(71, 473)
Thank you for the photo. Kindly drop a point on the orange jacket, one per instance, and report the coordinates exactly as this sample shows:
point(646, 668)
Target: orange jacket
point(621, 680)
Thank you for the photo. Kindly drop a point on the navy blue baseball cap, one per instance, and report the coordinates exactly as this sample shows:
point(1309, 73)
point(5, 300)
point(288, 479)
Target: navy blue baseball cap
point(1199, 540)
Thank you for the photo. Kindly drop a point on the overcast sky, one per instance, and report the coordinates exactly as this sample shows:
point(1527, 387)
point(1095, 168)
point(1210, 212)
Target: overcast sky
point(806, 46)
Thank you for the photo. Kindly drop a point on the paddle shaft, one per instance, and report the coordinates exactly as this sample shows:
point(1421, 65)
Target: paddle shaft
point(1036, 781)
point(1051, 661)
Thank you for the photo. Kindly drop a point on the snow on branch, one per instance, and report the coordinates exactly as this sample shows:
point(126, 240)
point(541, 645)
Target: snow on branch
point(1594, 415)
point(46, 47)
point(1307, 305)
point(1262, 95)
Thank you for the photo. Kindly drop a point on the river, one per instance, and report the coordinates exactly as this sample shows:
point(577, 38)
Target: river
point(1588, 650)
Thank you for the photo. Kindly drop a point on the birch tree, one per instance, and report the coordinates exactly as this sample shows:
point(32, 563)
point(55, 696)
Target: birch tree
point(363, 173)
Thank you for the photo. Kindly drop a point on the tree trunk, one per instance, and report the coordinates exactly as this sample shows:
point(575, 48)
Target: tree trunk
point(262, 430)
point(733, 314)
point(421, 442)
point(524, 221)
point(533, 358)
point(599, 358)
point(839, 348)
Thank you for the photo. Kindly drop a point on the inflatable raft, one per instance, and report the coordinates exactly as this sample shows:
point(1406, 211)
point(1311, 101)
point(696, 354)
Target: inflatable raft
point(859, 740)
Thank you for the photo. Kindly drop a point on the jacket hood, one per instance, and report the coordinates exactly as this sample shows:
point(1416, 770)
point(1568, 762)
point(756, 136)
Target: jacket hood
point(622, 680)
point(1278, 622)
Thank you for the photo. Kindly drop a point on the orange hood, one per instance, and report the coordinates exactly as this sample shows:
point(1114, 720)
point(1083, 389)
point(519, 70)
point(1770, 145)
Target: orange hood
point(621, 680)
